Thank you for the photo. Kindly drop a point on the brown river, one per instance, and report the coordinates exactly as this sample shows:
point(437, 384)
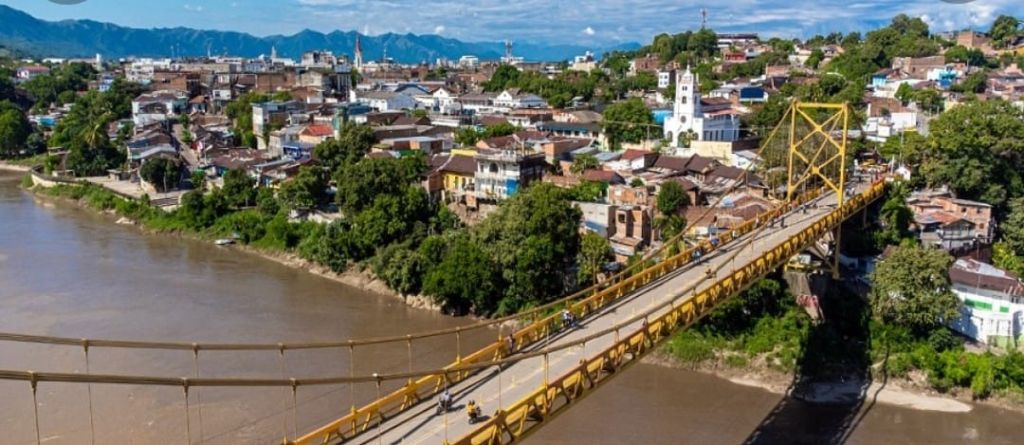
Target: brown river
point(72, 273)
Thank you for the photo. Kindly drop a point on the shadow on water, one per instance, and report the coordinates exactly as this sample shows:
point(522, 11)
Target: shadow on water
point(831, 390)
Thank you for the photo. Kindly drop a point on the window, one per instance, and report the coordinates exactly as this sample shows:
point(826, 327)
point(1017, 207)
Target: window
point(622, 218)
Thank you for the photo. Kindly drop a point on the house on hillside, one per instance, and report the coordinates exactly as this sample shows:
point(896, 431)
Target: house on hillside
point(158, 106)
point(992, 303)
point(950, 223)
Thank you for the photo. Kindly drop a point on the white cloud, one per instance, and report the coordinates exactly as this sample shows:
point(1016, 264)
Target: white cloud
point(197, 8)
point(632, 20)
point(439, 29)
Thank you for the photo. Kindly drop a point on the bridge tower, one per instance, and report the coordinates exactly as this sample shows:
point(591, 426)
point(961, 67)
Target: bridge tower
point(808, 150)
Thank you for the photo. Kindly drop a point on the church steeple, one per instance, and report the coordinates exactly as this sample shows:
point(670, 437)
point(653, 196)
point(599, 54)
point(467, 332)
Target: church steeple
point(687, 103)
point(358, 54)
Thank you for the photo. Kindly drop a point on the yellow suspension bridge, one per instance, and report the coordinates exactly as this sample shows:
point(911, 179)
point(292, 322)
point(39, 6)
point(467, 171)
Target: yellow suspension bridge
point(537, 367)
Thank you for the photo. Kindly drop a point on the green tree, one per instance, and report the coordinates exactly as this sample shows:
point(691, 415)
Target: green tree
point(928, 100)
point(502, 78)
point(905, 93)
point(595, 252)
point(14, 130)
point(703, 43)
point(359, 184)
point(400, 267)
point(467, 136)
point(1005, 30)
point(1012, 227)
point(353, 143)
point(239, 188)
point(305, 191)
point(465, 279)
point(815, 58)
point(627, 121)
point(198, 179)
point(672, 198)
point(911, 289)
point(768, 115)
point(1005, 258)
point(895, 216)
point(266, 202)
point(973, 83)
point(534, 239)
point(972, 143)
point(583, 163)
point(960, 54)
point(7, 90)
point(163, 173)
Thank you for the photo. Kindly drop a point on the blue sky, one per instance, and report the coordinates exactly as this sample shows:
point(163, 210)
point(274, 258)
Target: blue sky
point(593, 22)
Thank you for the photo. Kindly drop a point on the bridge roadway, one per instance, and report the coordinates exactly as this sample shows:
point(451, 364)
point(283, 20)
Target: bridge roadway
point(491, 388)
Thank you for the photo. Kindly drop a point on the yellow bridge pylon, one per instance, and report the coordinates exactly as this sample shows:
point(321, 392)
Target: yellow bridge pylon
point(808, 150)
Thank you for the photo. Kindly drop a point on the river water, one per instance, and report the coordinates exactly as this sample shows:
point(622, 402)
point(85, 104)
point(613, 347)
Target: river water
point(71, 272)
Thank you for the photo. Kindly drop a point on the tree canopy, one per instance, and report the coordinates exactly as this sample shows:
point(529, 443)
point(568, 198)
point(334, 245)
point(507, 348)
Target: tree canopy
point(14, 130)
point(163, 173)
point(911, 289)
point(627, 121)
point(970, 144)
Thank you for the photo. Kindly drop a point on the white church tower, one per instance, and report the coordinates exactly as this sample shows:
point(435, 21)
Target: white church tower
point(688, 114)
point(687, 103)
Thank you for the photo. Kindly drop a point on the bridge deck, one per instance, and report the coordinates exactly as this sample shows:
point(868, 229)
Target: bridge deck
point(491, 388)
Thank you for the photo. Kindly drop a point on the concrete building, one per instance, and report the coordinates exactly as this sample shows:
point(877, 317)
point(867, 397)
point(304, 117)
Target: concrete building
point(158, 106)
point(385, 100)
point(992, 303)
point(500, 174)
point(269, 114)
point(950, 223)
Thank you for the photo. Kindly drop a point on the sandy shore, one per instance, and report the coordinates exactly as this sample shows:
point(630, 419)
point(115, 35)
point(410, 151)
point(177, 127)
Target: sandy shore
point(845, 392)
point(6, 166)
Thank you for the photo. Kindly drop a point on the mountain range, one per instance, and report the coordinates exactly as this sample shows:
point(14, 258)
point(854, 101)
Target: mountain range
point(86, 38)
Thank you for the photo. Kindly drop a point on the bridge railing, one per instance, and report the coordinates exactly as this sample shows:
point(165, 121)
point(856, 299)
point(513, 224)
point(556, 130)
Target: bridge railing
point(361, 419)
point(527, 414)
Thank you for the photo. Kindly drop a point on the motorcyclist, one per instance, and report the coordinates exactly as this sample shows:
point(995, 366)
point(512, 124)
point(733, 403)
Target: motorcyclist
point(444, 402)
point(473, 411)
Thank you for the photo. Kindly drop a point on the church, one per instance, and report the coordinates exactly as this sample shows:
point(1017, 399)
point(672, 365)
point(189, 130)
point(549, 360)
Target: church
point(708, 119)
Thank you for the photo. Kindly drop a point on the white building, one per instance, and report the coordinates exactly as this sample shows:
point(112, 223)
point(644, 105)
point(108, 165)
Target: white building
point(446, 102)
point(385, 100)
point(706, 120)
point(664, 79)
point(512, 99)
point(30, 72)
point(142, 70)
point(469, 61)
point(584, 63)
point(992, 303)
point(158, 106)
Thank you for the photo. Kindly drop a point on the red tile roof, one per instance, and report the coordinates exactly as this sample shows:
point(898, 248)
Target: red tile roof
point(632, 154)
point(318, 130)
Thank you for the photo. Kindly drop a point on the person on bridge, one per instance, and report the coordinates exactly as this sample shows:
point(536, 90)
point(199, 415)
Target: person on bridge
point(473, 411)
point(510, 341)
point(444, 402)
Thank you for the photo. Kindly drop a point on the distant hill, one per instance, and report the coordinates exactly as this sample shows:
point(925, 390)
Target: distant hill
point(85, 38)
